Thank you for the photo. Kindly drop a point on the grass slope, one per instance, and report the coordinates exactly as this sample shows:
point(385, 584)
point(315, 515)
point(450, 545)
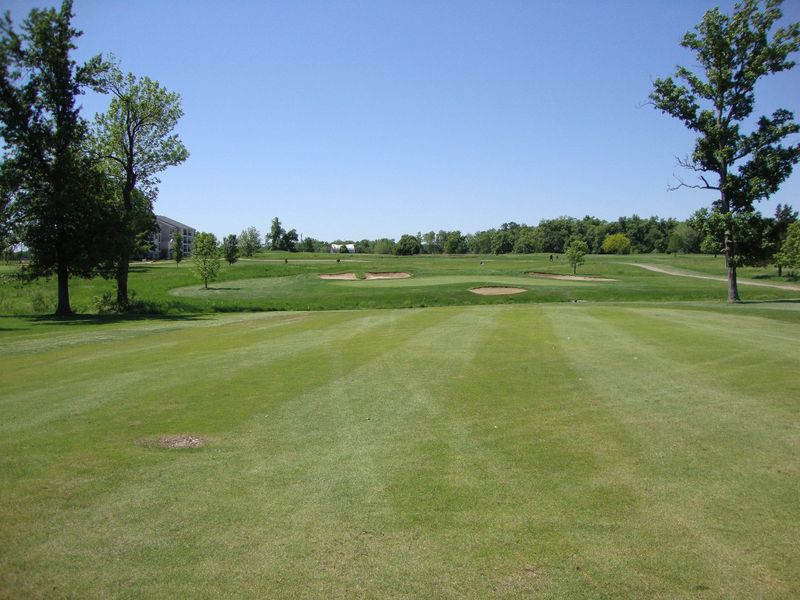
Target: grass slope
point(564, 450)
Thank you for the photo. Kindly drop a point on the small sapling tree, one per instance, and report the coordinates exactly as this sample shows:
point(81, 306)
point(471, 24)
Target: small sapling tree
point(576, 254)
point(205, 255)
point(176, 246)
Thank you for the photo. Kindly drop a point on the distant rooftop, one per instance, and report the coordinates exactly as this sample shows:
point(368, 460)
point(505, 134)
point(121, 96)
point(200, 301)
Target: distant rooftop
point(173, 222)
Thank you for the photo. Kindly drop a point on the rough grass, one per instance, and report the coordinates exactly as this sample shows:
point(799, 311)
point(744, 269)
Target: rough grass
point(597, 451)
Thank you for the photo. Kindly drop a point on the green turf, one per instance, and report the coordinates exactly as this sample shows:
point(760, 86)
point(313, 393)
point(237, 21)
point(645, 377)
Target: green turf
point(629, 450)
point(268, 283)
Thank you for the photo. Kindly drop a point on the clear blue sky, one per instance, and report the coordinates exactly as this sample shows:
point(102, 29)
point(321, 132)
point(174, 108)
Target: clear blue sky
point(367, 119)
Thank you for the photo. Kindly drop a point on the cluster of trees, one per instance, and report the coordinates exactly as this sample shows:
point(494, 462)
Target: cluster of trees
point(550, 235)
point(759, 237)
point(278, 238)
point(207, 252)
point(78, 195)
point(554, 235)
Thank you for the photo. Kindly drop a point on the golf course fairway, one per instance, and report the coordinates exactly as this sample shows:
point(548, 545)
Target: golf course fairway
point(560, 450)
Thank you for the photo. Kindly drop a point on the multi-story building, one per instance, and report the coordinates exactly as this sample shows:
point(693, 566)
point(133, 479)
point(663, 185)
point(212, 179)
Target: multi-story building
point(162, 239)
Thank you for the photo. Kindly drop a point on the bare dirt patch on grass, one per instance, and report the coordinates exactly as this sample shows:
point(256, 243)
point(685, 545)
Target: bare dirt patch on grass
point(338, 276)
point(387, 275)
point(174, 442)
point(567, 277)
point(496, 290)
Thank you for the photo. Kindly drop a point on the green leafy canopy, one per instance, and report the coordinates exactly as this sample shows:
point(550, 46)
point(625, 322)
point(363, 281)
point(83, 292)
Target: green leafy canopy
point(733, 54)
point(136, 132)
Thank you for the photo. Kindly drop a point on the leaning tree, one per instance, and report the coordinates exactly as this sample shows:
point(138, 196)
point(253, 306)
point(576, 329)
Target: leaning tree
point(717, 99)
point(135, 137)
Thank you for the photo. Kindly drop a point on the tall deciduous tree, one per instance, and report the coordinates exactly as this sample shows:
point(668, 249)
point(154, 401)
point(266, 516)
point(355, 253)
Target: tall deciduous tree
point(249, 241)
point(408, 245)
point(275, 235)
point(56, 195)
point(734, 53)
point(289, 241)
point(135, 137)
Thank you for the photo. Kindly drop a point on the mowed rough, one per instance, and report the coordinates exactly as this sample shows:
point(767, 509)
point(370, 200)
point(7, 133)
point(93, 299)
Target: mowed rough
point(560, 450)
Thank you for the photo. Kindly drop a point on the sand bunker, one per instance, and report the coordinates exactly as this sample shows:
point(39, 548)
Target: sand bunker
point(352, 276)
point(388, 275)
point(497, 291)
point(567, 277)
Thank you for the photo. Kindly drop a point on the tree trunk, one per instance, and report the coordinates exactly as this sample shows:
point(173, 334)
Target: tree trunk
point(126, 232)
point(729, 245)
point(63, 309)
point(780, 271)
point(122, 280)
point(730, 263)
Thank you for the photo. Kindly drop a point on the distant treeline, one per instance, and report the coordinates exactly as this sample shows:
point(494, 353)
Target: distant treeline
point(760, 240)
point(760, 237)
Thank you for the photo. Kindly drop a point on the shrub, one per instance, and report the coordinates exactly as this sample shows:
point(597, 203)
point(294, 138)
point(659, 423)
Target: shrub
point(616, 243)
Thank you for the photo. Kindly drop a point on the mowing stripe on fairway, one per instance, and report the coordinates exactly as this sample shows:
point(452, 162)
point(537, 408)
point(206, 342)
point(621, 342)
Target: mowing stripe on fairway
point(570, 450)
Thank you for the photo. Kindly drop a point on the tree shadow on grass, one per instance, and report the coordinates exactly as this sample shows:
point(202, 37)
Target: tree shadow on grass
point(771, 276)
point(775, 301)
point(111, 319)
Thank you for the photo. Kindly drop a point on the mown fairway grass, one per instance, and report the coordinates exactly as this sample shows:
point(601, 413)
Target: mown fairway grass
point(565, 450)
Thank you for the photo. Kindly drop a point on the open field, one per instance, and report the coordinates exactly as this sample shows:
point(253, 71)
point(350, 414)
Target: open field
point(266, 283)
point(566, 450)
point(626, 436)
